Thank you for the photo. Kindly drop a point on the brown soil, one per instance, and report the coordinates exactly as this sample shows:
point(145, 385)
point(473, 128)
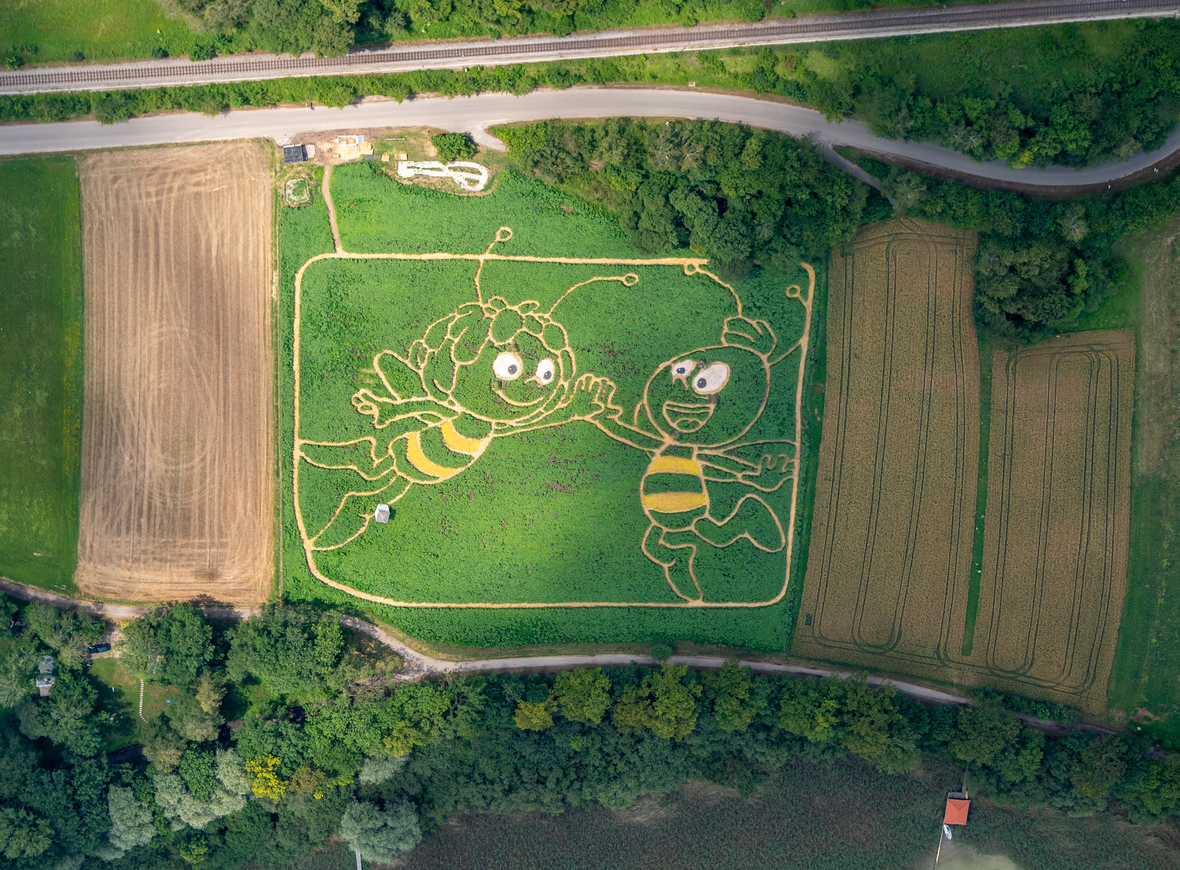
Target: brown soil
point(177, 457)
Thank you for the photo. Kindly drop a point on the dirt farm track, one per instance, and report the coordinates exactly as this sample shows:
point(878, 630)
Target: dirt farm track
point(177, 471)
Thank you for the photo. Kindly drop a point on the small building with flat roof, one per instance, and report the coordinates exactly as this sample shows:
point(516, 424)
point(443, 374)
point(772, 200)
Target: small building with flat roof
point(45, 679)
point(294, 154)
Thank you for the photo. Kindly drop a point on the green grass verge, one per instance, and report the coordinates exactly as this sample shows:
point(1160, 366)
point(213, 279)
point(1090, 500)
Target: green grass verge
point(65, 30)
point(118, 703)
point(363, 307)
point(985, 428)
point(1147, 658)
point(41, 369)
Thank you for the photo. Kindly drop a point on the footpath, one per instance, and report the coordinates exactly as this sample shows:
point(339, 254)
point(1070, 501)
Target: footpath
point(419, 666)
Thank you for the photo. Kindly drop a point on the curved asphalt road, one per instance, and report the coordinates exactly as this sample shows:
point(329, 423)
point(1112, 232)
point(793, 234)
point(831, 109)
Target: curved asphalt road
point(474, 114)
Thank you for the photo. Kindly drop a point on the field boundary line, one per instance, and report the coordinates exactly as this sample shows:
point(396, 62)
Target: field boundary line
point(691, 266)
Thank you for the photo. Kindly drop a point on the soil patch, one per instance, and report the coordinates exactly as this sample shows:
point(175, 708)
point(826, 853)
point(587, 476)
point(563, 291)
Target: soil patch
point(177, 460)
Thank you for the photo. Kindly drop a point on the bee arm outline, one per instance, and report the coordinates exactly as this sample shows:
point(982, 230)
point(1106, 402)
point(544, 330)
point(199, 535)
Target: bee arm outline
point(384, 410)
point(629, 435)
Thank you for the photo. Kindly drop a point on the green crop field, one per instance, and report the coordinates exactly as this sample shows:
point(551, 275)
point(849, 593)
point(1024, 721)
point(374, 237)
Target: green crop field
point(41, 369)
point(552, 419)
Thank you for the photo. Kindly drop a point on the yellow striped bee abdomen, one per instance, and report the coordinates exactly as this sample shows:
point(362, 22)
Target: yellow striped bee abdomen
point(673, 492)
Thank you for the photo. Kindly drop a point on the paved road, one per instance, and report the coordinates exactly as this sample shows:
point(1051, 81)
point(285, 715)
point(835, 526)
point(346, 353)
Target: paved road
point(475, 114)
point(458, 54)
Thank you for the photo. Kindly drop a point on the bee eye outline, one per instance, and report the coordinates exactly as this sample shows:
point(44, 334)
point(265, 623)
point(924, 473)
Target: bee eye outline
point(508, 366)
point(682, 369)
point(711, 379)
point(546, 369)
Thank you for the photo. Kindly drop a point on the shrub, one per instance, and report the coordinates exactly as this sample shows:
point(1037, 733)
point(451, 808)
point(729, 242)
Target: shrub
point(453, 146)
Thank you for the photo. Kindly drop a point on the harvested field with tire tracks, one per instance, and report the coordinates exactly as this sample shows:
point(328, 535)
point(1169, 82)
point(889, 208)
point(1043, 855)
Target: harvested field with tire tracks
point(1055, 546)
point(177, 461)
point(892, 529)
point(889, 571)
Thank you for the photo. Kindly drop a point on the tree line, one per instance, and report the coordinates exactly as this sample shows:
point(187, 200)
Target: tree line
point(325, 742)
point(740, 196)
point(1041, 265)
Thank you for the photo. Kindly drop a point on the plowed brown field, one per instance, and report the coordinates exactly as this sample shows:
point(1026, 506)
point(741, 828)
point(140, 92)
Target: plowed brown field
point(1055, 547)
point(892, 530)
point(177, 453)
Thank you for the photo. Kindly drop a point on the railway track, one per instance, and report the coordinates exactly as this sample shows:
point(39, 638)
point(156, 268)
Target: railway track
point(447, 55)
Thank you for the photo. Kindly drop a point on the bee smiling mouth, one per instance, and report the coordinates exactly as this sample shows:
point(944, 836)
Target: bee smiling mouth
point(687, 418)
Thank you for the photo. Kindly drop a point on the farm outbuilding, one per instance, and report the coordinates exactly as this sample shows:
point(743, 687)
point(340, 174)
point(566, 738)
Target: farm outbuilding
point(294, 154)
point(956, 812)
point(46, 678)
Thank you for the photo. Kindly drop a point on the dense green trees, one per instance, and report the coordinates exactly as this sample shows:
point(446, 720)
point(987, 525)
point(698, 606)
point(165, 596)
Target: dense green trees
point(131, 819)
point(294, 652)
point(66, 716)
point(453, 146)
point(381, 763)
point(380, 835)
point(68, 633)
point(168, 646)
point(730, 193)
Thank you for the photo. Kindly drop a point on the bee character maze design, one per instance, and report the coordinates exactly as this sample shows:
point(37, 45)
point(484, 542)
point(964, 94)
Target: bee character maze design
point(548, 427)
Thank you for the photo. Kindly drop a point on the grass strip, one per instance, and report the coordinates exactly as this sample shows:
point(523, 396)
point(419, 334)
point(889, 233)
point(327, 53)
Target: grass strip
point(985, 428)
point(41, 368)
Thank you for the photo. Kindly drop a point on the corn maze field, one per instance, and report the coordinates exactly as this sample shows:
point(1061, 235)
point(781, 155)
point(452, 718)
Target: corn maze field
point(549, 418)
point(889, 574)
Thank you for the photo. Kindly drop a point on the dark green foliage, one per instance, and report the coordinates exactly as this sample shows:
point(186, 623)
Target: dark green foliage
point(65, 716)
point(1049, 711)
point(799, 751)
point(380, 835)
point(728, 192)
point(453, 146)
point(203, 52)
point(661, 652)
point(168, 646)
point(199, 773)
point(67, 632)
point(18, 668)
point(292, 651)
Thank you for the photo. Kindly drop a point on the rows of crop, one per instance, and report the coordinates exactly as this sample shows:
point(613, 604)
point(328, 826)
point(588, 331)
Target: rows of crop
point(889, 569)
point(892, 530)
point(1056, 535)
point(551, 515)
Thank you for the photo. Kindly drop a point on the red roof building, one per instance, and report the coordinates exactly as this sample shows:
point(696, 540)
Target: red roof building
point(956, 812)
